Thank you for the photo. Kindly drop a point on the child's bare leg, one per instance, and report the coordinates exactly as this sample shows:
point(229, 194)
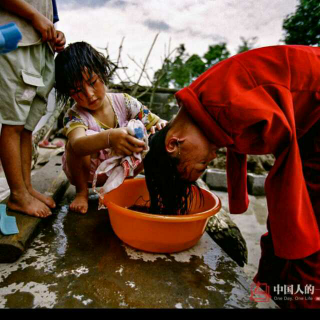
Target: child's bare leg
point(10, 150)
point(79, 168)
point(26, 159)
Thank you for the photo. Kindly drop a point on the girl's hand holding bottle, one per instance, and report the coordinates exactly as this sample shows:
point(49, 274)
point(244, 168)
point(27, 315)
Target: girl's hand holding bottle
point(123, 143)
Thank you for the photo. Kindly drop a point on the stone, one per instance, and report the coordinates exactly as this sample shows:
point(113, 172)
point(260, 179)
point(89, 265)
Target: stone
point(226, 233)
point(216, 179)
point(256, 184)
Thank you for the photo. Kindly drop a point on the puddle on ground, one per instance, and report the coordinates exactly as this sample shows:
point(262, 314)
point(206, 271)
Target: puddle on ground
point(61, 240)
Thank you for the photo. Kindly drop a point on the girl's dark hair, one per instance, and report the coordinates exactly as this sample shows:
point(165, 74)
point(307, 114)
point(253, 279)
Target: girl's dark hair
point(169, 193)
point(70, 64)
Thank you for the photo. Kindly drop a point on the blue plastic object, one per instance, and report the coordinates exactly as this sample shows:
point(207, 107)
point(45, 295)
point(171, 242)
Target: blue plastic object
point(8, 224)
point(10, 35)
point(139, 133)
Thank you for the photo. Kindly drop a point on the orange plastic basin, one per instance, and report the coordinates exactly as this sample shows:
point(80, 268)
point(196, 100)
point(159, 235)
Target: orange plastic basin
point(156, 233)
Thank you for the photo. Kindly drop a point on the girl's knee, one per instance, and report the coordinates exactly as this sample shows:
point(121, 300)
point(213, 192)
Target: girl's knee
point(77, 162)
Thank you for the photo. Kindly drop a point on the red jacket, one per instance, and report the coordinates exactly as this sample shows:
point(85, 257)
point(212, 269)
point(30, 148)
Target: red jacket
point(261, 102)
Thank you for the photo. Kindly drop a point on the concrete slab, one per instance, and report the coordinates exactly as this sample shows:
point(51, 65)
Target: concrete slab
point(216, 179)
point(256, 184)
point(51, 180)
point(78, 262)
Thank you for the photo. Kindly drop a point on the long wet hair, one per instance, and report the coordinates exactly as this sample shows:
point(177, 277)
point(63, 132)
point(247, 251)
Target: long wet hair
point(72, 62)
point(169, 193)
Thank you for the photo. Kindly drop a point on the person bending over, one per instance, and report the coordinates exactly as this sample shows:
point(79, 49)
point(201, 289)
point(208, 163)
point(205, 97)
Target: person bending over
point(263, 101)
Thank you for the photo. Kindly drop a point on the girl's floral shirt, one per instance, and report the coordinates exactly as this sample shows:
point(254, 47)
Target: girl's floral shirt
point(131, 109)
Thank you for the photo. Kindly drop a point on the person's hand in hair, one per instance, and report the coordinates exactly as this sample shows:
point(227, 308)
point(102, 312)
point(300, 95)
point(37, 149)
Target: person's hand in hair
point(59, 42)
point(158, 126)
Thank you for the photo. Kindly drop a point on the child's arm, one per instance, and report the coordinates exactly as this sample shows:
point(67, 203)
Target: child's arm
point(28, 12)
point(118, 139)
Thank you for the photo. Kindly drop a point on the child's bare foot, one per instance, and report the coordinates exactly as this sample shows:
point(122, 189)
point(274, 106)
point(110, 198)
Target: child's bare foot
point(45, 199)
point(80, 203)
point(29, 205)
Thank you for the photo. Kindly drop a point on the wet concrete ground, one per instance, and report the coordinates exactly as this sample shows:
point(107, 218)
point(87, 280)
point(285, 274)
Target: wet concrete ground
point(252, 225)
point(78, 262)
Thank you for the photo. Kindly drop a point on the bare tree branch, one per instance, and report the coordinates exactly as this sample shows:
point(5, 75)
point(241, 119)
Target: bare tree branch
point(144, 65)
point(141, 68)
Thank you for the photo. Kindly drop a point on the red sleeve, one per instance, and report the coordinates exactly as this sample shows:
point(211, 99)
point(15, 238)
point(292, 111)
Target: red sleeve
point(237, 182)
point(263, 122)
